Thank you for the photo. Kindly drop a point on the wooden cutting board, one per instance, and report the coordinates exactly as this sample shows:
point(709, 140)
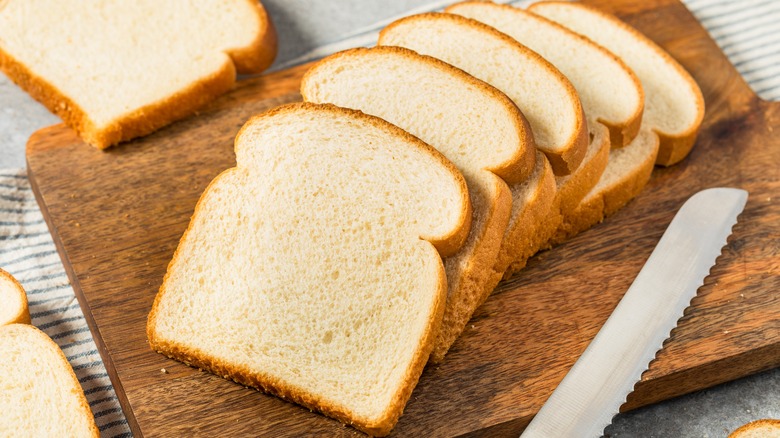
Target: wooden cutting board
point(117, 216)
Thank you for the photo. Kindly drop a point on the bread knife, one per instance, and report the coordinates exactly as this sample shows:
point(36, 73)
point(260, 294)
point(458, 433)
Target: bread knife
point(583, 404)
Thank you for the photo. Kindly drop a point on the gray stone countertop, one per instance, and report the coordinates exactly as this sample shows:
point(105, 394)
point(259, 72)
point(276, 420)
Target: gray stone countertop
point(304, 25)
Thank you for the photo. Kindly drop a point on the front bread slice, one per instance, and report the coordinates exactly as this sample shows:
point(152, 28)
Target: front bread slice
point(473, 124)
point(13, 301)
point(115, 70)
point(39, 393)
point(311, 269)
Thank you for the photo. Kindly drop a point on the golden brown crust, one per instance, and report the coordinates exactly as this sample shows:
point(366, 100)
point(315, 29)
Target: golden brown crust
point(266, 383)
point(566, 158)
point(572, 156)
point(573, 188)
point(525, 234)
point(23, 316)
point(465, 297)
point(569, 192)
point(149, 118)
point(757, 426)
point(65, 370)
point(673, 146)
point(596, 207)
point(516, 168)
point(260, 54)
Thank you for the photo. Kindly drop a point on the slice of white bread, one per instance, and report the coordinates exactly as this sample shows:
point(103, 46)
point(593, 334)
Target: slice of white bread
point(768, 428)
point(546, 98)
point(311, 269)
point(115, 70)
point(609, 91)
point(627, 173)
point(13, 301)
point(569, 191)
point(473, 124)
point(674, 105)
point(40, 395)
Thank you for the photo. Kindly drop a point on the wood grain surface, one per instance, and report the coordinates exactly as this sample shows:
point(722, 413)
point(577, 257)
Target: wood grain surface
point(116, 217)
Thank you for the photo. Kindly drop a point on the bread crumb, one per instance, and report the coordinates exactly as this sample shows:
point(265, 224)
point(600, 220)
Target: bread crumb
point(163, 370)
point(725, 332)
point(473, 326)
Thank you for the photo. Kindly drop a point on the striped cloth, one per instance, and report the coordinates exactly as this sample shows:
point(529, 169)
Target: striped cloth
point(746, 31)
point(28, 253)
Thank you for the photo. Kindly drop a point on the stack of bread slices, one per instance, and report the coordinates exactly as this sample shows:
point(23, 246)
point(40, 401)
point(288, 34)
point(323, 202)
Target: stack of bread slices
point(417, 174)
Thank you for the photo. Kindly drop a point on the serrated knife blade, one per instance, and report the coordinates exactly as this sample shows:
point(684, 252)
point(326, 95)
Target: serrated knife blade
point(591, 393)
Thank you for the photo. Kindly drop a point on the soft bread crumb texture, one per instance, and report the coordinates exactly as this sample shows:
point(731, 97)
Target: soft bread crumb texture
point(111, 59)
point(39, 394)
point(609, 91)
point(303, 268)
point(546, 98)
point(13, 301)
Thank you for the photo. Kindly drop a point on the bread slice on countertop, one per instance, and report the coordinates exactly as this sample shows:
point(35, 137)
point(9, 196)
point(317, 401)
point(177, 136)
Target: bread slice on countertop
point(311, 269)
point(115, 70)
point(13, 301)
point(39, 393)
point(674, 106)
point(473, 124)
point(546, 98)
point(591, 68)
point(769, 428)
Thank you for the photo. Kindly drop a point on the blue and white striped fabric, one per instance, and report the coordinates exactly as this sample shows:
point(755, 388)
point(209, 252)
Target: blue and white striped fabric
point(747, 31)
point(28, 253)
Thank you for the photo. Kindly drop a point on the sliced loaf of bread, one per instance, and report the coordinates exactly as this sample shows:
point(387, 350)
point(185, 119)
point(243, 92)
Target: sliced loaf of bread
point(546, 98)
point(40, 395)
point(311, 269)
point(473, 124)
point(115, 70)
point(595, 72)
point(13, 301)
point(674, 105)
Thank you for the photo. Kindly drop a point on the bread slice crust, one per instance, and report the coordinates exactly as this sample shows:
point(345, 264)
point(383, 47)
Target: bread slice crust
point(620, 183)
point(138, 122)
point(13, 287)
point(569, 191)
point(197, 357)
point(674, 145)
point(564, 156)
